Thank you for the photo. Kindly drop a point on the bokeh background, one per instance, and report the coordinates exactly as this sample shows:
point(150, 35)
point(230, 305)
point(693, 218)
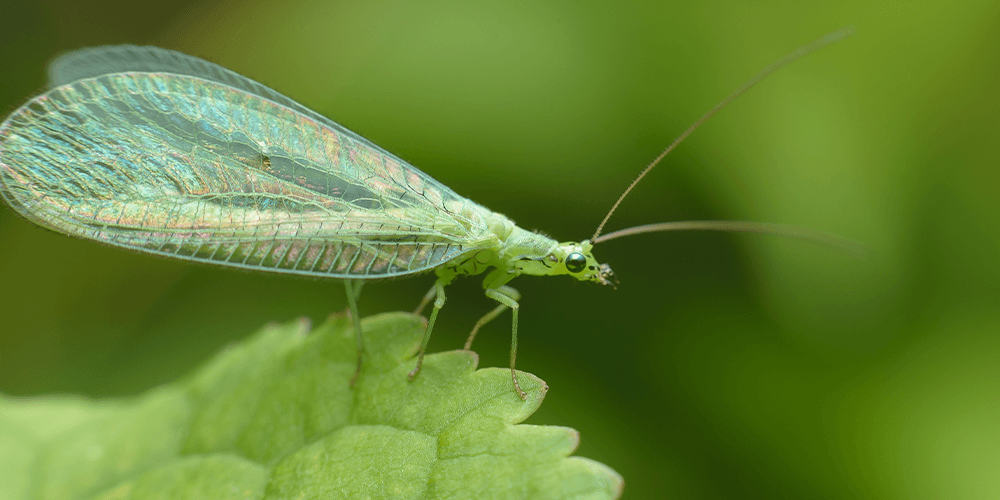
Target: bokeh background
point(724, 366)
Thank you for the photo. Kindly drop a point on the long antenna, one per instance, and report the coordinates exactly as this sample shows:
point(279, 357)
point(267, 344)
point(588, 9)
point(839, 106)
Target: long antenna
point(799, 53)
point(855, 248)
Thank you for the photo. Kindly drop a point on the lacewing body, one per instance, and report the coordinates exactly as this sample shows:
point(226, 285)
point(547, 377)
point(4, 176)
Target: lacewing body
point(161, 152)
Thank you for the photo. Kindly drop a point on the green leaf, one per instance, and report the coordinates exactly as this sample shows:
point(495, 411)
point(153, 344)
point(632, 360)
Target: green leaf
point(275, 417)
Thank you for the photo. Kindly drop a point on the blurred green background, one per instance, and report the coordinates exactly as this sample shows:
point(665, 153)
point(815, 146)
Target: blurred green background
point(724, 366)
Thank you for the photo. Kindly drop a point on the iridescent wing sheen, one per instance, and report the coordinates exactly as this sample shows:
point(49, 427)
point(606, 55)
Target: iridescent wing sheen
point(157, 151)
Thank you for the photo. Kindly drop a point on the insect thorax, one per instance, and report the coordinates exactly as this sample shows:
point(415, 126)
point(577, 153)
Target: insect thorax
point(511, 246)
point(515, 251)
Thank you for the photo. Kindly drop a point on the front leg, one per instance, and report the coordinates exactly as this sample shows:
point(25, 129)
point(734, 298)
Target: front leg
point(504, 297)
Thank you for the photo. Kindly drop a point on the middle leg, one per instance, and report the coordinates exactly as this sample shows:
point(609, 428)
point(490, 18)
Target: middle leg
point(438, 304)
point(490, 316)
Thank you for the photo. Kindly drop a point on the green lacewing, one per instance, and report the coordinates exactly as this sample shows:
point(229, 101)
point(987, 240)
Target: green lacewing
point(161, 152)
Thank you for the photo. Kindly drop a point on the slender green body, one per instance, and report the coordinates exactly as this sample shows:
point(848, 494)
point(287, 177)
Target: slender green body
point(165, 153)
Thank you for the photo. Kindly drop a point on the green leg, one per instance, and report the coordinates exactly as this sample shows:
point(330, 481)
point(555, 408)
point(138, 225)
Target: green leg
point(428, 297)
point(499, 295)
point(353, 288)
point(438, 304)
point(490, 316)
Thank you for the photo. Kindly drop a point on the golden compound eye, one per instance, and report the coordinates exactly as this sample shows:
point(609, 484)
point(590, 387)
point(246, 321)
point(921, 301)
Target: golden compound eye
point(576, 262)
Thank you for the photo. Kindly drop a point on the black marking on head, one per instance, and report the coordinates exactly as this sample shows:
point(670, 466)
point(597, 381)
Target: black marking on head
point(540, 260)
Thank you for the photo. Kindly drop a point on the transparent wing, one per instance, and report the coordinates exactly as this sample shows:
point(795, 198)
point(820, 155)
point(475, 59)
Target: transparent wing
point(98, 61)
point(222, 169)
